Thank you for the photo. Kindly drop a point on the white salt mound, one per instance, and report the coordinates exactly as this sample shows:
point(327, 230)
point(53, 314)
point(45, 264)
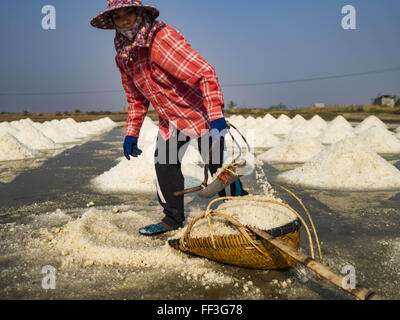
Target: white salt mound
point(138, 174)
point(318, 122)
point(369, 122)
point(281, 126)
point(298, 120)
point(346, 165)
point(6, 127)
point(262, 138)
point(32, 137)
point(295, 148)
point(262, 215)
point(307, 129)
point(12, 149)
point(338, 129)
point(380, 140)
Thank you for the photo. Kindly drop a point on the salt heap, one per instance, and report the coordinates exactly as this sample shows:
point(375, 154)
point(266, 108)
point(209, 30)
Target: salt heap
point(261, 138)
point(337, 130)
point(369, 122)
point(269, 120)
point(138, 174)
point(54, 132)
point(281, 126)
point(318, 122)
point(295, 148)
point(6, 127)
point(307, 128)
point(380, 140)
point(32, 137)
point(261, 215)
point(346, 165)
point(12, 149)
point(298, 120)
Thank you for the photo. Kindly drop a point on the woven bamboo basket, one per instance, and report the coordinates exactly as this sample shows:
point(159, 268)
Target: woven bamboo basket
point(240, 251)
point(248, 249)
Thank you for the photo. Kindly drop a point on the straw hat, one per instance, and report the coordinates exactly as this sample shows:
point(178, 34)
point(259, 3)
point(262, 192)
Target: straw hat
point(104, 21)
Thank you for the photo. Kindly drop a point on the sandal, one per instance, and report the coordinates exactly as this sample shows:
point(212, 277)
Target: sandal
point(153, 229)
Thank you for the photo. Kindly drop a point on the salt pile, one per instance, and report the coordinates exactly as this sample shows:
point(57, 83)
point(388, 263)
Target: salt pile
point(269, 120)
point(32, 137)
point(337, 130)
point(8, 128)
point(346, 165)
point(380, 140)
point(28, 135)
point(281, 126)
point(369, 122)
point(12, 149)
point(298, 120)
point(261, 138)
point(307, 129)
point(318, 122)
point(138, 174)
point(261, 215)
point(295, 148)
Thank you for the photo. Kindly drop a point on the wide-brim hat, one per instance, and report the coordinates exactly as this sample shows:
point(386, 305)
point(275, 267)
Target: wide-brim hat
point(104, 21)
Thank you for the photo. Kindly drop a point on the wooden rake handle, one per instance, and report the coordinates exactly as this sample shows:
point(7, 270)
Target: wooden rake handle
point(320, 269)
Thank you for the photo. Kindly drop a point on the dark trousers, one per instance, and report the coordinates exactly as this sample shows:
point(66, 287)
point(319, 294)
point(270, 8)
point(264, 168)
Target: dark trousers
point(168, 156)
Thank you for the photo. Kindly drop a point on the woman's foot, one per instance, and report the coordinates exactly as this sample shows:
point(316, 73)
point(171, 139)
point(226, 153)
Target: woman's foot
point(155, 229)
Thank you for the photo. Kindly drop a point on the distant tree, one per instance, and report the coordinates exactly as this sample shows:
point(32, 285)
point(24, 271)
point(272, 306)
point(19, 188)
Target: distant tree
point(77, 111)
point(278, 107)
point(231, 105)
point(397, 103)
point(26, 112)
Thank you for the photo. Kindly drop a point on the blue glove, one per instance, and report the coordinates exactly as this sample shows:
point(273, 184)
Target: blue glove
point(217, 128)
point(131, 147)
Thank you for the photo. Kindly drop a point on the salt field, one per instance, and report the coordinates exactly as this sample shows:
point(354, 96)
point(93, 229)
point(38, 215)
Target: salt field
point(77, 205)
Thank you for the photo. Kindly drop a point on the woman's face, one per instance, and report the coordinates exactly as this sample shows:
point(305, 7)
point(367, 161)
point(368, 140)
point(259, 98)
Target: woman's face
point(124, 18)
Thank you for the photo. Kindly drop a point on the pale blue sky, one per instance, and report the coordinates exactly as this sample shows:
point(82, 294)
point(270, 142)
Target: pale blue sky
point(245, 41)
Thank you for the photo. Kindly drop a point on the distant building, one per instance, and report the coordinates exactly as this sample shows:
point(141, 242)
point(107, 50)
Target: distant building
point(319, 105)
point(385, 100)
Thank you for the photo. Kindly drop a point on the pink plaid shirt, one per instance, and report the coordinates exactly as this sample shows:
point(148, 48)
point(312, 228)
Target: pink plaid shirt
point(182, 87)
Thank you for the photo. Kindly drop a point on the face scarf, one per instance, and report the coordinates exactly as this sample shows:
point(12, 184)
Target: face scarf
point(140, 35)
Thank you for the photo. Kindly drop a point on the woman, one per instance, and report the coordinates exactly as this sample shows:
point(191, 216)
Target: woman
point(159, 66)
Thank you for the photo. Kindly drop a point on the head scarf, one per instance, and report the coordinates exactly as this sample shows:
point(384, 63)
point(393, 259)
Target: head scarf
point(140, 35)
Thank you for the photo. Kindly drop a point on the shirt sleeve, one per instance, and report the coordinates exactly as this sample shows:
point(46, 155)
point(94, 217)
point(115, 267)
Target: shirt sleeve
point(138, 104)
point(174, 54)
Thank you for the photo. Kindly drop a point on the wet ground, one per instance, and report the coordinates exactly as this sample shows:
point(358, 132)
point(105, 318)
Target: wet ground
point(43, 210)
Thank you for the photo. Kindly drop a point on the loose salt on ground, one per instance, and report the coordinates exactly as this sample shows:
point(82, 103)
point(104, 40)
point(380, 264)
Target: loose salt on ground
point(103, 238)
point(346, 165)
point(295, 148)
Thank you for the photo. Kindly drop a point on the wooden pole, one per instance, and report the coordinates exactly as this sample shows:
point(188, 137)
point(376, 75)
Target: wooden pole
point(320, 269)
